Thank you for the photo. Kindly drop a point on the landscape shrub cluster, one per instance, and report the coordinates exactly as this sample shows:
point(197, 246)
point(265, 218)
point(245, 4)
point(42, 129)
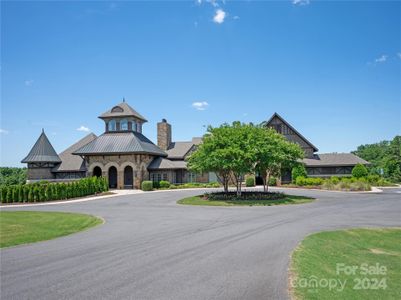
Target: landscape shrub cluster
point(250, 181)
point(45, 191)
point(166, 185)
point(245, 195)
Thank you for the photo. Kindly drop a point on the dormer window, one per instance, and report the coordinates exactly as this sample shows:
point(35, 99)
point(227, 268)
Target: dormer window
point(112, 125)
point(134, 128)
point(124, 124)
point(116, 109)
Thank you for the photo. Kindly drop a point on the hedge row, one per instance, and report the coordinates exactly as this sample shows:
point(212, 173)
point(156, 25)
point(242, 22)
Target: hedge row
point(45, 191)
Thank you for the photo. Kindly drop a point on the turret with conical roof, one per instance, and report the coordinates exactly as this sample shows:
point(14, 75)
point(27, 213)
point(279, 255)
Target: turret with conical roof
point(42, 152)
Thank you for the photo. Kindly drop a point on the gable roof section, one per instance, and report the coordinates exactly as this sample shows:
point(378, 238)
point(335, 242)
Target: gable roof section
point(42, 151)
point(178, 150)
point(334, 159)
point(161, 163)
point(70, 162)
point(122, 110)
point(293, 129)
point(120, 143)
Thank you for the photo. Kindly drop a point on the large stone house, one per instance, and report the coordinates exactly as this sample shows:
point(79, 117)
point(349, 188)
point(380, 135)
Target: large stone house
point(126, 157)
point(122, 154)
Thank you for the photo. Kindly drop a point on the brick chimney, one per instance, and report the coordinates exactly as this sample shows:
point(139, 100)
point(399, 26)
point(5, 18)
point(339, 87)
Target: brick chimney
point(163, 134)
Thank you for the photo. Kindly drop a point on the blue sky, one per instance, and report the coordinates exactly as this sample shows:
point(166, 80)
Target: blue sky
point(332, 69)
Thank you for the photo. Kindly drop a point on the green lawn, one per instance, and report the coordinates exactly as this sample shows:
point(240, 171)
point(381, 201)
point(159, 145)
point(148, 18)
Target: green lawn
point(21, 227)
point(289, 199)
point(367, 262)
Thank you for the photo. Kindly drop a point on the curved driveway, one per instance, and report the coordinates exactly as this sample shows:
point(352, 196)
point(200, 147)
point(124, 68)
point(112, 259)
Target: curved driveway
point(152, 248)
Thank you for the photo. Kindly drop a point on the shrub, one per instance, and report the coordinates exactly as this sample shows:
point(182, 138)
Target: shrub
point(272, 181)
point(250, 181)
point(359, 171)
point(164, 184)
point(328, 185)
point(298, 171)
point(156, 184)
point(230, 196)
point(334, 179)
point(147, 185)
point(359, 186)
point(302, 181)
point(213, 184)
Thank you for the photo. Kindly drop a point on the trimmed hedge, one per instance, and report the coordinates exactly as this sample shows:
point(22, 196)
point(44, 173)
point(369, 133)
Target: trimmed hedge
point(45, 191)
point(147, 185)
point(164, 184)
point(250, 181)
point(359, 171)
point(298, 171)
point(302, 181)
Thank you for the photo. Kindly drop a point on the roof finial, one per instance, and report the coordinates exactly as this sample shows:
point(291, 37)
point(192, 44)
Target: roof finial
point(123, 99)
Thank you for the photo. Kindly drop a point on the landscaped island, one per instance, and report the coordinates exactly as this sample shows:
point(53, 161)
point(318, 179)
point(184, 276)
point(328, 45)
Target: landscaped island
point(22, 227)
point(348, 264)
point(245, 199)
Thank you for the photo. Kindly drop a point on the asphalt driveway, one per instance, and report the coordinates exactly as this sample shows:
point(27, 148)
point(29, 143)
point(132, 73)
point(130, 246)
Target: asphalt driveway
point(152, 248)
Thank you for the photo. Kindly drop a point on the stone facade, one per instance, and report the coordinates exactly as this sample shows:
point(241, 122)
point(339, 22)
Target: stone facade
point(138, 162)
point(163, 134)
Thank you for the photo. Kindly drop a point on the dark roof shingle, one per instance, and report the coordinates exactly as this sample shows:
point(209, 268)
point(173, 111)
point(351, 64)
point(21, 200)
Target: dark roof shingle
point(161, 163)
point(334, 159)
point(42, 151)
point(70, 162)
point(120, 143)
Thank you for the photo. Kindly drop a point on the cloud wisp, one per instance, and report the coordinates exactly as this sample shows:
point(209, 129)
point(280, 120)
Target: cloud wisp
point(381, 59)
point(300, 2)
point(219, 16)
point(83, 128)
point(3, 131)
point(200, 105)
point(28, 82)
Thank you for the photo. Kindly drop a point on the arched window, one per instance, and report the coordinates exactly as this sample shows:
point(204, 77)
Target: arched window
point(112, 125)
point(124, 124)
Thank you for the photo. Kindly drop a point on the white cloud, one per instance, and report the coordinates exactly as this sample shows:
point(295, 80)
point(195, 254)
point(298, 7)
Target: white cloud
point(300, 2)
point(236, 17)
point(83, 128)
point(213, 2)
point(201, 105)
point(3, 131)
point(219, 16)
point(28, 82)
point(381, 59)
point(399, 54)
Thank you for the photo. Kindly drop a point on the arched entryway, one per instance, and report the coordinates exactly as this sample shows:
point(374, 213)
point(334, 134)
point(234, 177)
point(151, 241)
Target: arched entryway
point(128, 177)
point(112, 177)
point(97, 171)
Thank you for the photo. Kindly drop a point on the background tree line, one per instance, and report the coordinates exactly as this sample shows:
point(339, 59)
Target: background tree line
point(384, 156)
point(9, 176)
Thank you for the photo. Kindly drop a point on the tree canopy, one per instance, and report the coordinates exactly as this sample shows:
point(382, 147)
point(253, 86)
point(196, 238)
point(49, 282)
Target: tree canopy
point(9, 176)
point(231, 151)
point(384, 156)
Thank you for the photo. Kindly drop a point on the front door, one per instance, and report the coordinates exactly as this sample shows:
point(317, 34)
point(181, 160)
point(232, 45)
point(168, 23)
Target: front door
point(128, 177)
point(113, 177)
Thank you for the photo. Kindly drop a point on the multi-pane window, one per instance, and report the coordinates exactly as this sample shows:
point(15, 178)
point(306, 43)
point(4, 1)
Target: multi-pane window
point(112, 125)
point(124, 124)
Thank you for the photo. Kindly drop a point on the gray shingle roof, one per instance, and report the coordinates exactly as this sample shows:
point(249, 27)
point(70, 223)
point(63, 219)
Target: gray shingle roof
point(178, 150)
point(161, 163)
point(70, 162)
point(42, 151)
point(333, 159)
point(120, 143)
point(122, 110)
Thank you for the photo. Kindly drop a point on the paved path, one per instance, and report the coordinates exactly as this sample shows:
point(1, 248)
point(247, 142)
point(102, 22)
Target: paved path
point(152, 248)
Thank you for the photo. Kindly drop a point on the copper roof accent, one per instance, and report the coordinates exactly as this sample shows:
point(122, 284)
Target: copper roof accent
point(120, 143)
point(122, 110)
point(70, 162)
point(42, 151)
